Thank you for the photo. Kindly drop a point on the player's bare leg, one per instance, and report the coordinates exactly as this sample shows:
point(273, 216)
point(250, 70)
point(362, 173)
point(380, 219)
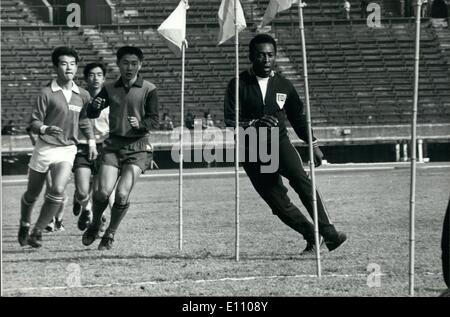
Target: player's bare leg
point(54, 197)
point(82, 195)
point(36, 182)
point(112, 198)
point(107, 178)
point(128, 177)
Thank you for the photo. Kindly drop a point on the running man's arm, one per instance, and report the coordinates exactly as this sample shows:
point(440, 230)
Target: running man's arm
point(98, 103)
point(85, 124)
point(151, 117)
point(296, 115)
point(31, 135)
point(87, 128)
point(38, 115)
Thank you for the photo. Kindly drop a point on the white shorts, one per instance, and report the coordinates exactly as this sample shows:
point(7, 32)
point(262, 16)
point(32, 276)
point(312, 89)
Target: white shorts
point(45, 154)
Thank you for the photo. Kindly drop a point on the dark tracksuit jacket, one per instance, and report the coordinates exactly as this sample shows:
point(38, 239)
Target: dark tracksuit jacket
point(283, 102)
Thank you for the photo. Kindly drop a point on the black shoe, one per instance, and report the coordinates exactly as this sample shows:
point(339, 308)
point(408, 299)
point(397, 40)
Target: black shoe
point(336, 243)
point(24, 233)
point(85, 219)
point(35, 238)
point(76, 208)
point(59, 226)
point(90, 235)
point(106, 242)
point(103, 224)
point(310, 249)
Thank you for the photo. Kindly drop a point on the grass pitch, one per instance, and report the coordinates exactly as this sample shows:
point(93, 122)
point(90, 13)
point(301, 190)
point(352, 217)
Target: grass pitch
point(371, 206)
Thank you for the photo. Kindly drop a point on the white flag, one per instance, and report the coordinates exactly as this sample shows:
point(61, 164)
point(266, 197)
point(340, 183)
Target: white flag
point(274, 7)
point(173, 29)
point(227, 18)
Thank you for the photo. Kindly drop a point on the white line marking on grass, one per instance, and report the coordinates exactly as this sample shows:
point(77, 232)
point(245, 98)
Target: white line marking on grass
point(225, 279)
point(434, 166)
point(391, 166)
point(217, 173)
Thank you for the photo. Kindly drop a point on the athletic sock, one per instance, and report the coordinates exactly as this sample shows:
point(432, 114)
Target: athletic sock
point(60, 213)
point(26, 208)
point(51, 205)
point(117, 213)
point(98, 208)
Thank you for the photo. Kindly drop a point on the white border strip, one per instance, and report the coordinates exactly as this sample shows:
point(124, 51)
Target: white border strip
point(225, 279)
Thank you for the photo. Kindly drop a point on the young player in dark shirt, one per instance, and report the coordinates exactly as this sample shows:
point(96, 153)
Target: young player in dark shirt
point(85, 166)
point(127, 153)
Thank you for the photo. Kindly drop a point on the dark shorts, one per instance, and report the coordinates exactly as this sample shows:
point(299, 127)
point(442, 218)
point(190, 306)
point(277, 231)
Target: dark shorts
point(139, 153)
point(82, 158)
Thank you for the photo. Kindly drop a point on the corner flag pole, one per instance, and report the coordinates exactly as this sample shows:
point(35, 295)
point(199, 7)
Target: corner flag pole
point(180, 181)
point(236, 130)
point(412, 201)
point(310, 141)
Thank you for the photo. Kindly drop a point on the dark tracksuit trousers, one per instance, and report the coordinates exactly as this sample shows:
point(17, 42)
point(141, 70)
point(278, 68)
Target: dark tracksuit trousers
point(270, 187)
point(445, 246)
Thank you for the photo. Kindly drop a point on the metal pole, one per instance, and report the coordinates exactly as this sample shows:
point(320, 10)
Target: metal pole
point(310, 141)
point(236, 131)
point(180, 180)
point(413, 155)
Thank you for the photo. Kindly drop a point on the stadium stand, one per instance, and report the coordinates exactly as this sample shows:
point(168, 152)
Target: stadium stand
point(26, 64)
point(366, 75)
point(134, 11)
point(327, 10)
point(17, 12)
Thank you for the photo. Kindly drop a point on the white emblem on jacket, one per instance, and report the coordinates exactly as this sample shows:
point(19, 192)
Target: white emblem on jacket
point(281, 99)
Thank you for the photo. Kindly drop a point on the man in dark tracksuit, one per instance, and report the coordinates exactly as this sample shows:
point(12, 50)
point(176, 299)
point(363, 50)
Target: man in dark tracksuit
point(266, 100)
